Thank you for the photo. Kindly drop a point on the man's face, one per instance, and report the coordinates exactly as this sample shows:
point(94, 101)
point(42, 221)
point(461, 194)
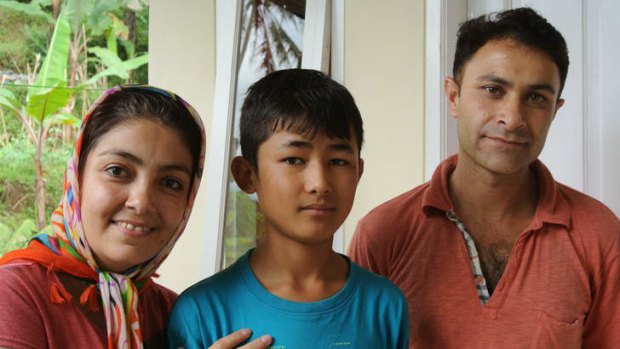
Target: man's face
point(504, 105)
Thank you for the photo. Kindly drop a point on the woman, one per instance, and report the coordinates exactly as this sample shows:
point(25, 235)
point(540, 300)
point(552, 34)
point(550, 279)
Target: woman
point(129, 189)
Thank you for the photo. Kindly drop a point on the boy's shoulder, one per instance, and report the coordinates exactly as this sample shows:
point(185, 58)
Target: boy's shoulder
point(221, 282)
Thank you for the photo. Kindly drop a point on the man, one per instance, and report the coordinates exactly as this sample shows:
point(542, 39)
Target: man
point(492, 252)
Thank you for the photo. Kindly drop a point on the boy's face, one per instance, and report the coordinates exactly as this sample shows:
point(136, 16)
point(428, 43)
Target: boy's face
point(305, 187)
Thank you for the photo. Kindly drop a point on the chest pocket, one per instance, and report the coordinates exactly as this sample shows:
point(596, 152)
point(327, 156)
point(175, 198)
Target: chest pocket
point(554, 334)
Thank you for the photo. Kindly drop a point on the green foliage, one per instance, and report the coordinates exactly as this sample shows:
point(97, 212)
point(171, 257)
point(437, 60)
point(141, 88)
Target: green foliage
point(240, 229)
point(14, 239)
point(26, 31)
point(17, 178)
point(23, 37)
point(33, 8)
point(54, 68)
point(114, 65)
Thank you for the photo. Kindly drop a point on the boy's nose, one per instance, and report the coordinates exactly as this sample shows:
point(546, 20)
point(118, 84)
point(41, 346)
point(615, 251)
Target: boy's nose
point(317, 181)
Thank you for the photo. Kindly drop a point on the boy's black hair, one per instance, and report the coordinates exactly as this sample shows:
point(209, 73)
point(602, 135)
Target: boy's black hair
point(300, 100)
point(523, 25)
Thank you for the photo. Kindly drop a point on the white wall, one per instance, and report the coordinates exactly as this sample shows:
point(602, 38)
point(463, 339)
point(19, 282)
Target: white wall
point(384, 70)
point(182, 59)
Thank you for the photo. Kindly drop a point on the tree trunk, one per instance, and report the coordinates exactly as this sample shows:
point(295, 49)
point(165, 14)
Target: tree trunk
point(132, 24)
point(40, 182)
point(55, 8)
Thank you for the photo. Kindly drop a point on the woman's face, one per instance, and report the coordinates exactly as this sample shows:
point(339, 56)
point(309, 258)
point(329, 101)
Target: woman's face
point(134, 190)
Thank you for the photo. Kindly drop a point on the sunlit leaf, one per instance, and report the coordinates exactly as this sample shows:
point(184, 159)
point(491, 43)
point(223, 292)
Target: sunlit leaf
point(54, 68)
point(40, 106)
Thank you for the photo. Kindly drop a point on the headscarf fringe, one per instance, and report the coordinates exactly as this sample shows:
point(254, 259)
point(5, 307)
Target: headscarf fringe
point(59, 294)
point(90, 298)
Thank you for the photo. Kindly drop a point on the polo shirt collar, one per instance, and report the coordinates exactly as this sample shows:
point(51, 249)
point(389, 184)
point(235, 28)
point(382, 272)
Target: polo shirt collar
point(552, 206)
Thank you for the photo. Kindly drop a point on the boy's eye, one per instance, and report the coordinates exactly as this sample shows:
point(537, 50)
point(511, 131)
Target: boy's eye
point(293, 161)
point(116, 171)
point(338, 162)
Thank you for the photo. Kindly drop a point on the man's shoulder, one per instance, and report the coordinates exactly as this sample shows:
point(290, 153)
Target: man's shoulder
point(592, 225)
point(583, 206)
point(407, 203)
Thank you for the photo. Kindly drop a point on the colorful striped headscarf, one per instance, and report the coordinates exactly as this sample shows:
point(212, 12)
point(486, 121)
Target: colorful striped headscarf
point(72, 254)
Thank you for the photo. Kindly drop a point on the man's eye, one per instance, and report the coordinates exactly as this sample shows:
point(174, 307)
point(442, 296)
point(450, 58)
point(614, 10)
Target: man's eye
point(535, 97)
point(492, 89)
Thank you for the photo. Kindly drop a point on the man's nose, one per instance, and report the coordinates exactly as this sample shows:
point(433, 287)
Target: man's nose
point(511, 114)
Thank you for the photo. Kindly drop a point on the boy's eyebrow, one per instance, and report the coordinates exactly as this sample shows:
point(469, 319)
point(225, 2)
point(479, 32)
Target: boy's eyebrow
point(501, 81)
point(338, 146)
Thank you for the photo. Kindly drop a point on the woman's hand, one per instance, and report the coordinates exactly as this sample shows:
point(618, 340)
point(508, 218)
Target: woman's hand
point(232, 340)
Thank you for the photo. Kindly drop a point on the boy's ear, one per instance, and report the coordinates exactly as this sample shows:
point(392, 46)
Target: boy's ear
point(243, 173)
point(361, 169)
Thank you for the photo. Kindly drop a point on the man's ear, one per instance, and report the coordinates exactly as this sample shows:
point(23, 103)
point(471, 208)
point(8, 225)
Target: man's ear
point(451, 89)
point(558, 105)
point(243, 173)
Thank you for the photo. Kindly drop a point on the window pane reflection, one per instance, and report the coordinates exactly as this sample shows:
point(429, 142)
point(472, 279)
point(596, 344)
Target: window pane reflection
point(271, 39)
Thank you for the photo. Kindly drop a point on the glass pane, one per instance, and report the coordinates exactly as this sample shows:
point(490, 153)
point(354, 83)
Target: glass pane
point(271, 39)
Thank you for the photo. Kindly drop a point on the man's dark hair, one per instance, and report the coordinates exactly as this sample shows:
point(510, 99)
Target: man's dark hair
point(522, 25)
point(299, 100)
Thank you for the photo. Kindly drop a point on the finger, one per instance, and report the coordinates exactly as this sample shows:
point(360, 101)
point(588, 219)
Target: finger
point(232, 340)
point(259, 343)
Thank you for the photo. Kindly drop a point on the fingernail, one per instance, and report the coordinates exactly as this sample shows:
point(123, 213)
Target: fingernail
point(266, 339)
point(245, 331)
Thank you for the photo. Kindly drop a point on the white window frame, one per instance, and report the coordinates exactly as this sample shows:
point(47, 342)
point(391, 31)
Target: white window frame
point(319, 27)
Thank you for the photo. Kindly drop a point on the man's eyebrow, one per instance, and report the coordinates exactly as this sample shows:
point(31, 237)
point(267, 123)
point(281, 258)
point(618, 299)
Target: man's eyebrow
point(501, 81)
point(139, 162)
point(494, 78)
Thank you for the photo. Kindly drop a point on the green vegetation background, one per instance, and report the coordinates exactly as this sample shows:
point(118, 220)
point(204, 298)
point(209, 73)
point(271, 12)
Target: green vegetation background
point(23, 37)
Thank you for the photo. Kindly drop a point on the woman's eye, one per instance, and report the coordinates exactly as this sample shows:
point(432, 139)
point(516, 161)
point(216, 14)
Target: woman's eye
point(116, 171)
point(172, 184)
point(293, 161)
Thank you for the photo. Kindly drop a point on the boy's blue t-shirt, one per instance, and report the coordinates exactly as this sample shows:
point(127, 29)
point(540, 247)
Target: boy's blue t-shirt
point(368, 312)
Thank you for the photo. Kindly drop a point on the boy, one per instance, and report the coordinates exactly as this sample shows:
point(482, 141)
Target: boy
point(301, 136)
